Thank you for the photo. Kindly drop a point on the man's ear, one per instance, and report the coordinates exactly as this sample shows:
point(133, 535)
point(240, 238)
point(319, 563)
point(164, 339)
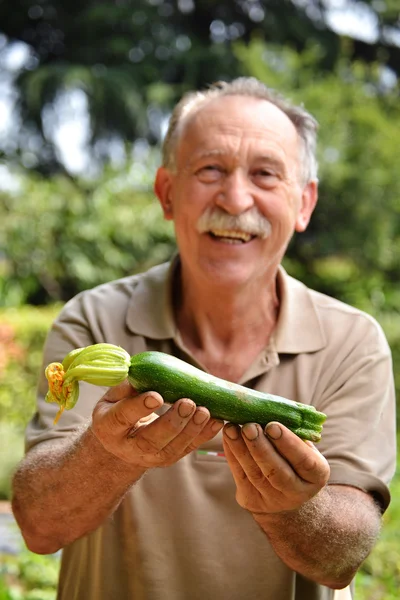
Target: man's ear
point(163, 189)
point(309, 199)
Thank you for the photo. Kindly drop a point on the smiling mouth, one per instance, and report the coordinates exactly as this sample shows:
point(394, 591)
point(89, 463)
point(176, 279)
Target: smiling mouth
point(231, 237)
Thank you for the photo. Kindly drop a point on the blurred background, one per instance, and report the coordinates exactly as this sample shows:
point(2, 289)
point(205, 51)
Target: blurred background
point(86, 89)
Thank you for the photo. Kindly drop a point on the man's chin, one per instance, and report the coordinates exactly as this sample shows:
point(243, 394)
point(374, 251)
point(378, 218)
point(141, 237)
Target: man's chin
point(232, 273)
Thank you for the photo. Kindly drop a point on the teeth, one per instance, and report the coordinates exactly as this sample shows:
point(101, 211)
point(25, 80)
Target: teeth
point(240, 235)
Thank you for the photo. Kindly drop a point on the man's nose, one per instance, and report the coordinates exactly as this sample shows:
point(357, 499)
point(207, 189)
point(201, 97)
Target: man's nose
point(235, 196)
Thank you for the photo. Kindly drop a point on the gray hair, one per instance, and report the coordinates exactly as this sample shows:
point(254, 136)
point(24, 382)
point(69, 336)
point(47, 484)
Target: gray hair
point(305, 124)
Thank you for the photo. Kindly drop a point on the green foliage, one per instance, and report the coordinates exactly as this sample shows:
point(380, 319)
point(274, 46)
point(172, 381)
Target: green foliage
point(28, 576)
point(12, 450)
point(22, 336)
point(379, 577)
point(58, 238)
point(390, 322)
point(37, 571)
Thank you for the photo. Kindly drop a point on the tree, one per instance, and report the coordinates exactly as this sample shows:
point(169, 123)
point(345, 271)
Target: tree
point(134, 58)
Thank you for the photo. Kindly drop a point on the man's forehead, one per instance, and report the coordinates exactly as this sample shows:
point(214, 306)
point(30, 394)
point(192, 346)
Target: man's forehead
point(225, 123)
point(248, 106)
point(239, 115)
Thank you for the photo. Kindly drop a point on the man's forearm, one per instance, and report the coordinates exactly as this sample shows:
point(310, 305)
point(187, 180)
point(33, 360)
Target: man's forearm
point(63, 492)
point(327, 539)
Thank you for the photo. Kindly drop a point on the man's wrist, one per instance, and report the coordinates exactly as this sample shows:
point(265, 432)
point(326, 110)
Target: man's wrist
point(118, 468)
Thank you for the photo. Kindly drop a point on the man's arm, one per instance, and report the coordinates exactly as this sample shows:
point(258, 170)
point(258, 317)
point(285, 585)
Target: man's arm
point(328, 537)
point(323, 532)
point(62, 490)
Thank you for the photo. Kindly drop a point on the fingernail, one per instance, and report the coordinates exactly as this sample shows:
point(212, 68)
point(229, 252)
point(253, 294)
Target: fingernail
point(199, 417)
point(185, 409)
point(273, 431)
point(152, 402)
point(250, 430)
point(232, 432)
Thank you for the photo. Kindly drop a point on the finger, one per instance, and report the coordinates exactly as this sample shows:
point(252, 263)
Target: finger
point(118, 392)
point(211, 429)
point(257, 458)
point(156, 436)
point(242, 462)
point(118, 416)
point(285, 460)
point(305, 459)
point(262, 464)
point(239, 474)
point(200, 429)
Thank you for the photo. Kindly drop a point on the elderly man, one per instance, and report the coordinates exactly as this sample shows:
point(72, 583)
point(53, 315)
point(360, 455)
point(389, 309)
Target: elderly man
point(233, 512)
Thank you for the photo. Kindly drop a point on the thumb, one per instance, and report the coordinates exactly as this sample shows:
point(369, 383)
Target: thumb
point(119, 392)
point(121, 409)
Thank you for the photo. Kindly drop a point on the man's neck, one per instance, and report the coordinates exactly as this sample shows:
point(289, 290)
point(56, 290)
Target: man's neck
point(226, 330)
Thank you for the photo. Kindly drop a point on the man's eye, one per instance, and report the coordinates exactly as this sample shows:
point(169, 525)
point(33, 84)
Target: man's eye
point(265, 177)
point(265, 173)
point(209, 173)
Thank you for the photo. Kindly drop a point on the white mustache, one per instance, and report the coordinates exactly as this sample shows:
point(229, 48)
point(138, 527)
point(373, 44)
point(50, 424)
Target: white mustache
point(251, 221)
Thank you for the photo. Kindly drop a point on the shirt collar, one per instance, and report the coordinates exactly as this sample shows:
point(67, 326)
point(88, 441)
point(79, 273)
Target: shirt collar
point(150, 312)
point(299, 328)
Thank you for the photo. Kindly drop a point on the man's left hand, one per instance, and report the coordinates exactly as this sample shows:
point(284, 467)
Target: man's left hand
point(274, 470)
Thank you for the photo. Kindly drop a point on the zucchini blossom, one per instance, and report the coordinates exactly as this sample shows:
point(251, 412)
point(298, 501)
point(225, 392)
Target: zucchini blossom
point(99, 364)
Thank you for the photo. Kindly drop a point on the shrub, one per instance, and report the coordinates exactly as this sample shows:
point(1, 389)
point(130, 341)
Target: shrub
point(379, 576)
point(22, 335)
point(29, 576)
point(59, 237)
point(12, 451)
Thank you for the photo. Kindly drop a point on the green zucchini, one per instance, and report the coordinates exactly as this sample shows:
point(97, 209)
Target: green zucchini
point(173, 379)
point(108, 365)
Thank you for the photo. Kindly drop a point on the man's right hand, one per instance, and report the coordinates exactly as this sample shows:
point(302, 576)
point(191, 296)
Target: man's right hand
point(125, 424)
point(76, 486)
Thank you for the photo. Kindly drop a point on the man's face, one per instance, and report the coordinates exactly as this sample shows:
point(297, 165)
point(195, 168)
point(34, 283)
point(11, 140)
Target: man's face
point(237, 157)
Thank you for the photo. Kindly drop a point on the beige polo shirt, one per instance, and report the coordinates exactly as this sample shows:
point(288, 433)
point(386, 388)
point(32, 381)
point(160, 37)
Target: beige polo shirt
point(179, 533)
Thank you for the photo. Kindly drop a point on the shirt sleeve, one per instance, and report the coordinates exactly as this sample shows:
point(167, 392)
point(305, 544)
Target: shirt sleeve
point(359, 436)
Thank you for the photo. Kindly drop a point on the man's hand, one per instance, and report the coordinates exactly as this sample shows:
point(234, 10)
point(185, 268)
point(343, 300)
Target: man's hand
point(275, 471)
point(124, 423)
point(322, 531)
